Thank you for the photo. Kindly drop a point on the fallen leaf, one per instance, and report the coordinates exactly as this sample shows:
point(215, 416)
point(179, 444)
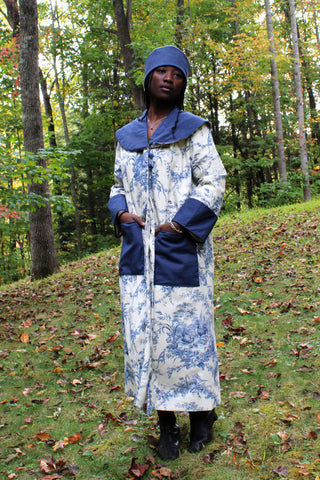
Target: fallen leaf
point(58, 370)
point(24, 338)
point(57, 348)
point(14, 455)
point(251, 465)
point(27, 323)
point(129, 450)
point(272, 363)
point(74, 438)
point(210, 457)
point(60, 444)
point(47, 466)
point(305, 368)
point(238, 394)
point(138, 469)
point(227, 322)
point(312, 435)
point(282, 471)
point(113, 337)
point(27, 391)
point(242, 311)
point(150, 458)
point(165, 472)
point(289, 418)
point(50, 477)
point(42, 436)
point(76, 382)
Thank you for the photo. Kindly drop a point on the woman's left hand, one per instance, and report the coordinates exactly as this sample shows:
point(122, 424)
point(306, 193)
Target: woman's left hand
point(166, 227)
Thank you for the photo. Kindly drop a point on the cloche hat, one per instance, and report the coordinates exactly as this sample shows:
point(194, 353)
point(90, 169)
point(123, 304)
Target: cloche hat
point(168, 55)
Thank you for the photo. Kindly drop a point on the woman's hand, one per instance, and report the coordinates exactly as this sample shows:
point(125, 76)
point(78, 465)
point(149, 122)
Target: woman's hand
point(166, 227)
point(126, 217)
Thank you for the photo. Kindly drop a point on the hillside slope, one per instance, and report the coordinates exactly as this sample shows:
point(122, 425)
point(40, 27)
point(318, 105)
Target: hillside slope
point(63, 411)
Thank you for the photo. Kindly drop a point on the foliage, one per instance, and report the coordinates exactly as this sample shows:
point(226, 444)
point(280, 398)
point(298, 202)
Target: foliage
point(90, 95)
point(63, 411)
point(18, 171)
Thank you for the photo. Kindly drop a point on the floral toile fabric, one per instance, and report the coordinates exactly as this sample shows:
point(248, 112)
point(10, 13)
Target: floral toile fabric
point(166, 281)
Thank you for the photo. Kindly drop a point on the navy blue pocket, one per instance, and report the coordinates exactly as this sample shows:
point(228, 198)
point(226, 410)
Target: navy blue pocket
point(176, 262)
point(132, 252)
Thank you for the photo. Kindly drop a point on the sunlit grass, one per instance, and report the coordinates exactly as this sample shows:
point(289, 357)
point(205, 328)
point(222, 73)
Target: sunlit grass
point(66, 377)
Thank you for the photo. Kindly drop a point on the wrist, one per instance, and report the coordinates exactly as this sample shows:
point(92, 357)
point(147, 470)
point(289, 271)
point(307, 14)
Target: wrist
point(120, 213)
point(176, 227)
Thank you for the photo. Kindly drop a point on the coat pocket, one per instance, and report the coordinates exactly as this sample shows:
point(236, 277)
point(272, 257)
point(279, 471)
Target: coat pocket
point(176, 261)
point(132, 252)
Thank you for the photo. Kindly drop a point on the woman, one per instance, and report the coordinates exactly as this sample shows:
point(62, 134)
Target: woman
point(169, 187)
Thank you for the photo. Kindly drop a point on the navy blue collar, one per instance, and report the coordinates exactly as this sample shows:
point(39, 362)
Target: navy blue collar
point(134, 135)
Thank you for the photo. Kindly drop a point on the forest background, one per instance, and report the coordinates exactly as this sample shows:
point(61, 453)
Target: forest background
point(255, 76)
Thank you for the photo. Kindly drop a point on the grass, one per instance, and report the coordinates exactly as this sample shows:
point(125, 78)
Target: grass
point(63, 411)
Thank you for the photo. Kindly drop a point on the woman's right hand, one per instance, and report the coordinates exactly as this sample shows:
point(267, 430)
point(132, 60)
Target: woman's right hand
point(127, 217)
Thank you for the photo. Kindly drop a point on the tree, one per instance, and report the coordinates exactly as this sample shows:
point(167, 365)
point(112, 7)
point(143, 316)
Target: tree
point(299, 99)
point(43, 253)
point(276, 95)
point(123, 32)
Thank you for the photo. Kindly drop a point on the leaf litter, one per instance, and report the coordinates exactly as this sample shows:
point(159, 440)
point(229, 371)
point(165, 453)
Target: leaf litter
point(66, 377)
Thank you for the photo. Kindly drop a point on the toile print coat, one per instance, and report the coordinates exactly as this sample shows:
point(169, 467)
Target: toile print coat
point(166, 282)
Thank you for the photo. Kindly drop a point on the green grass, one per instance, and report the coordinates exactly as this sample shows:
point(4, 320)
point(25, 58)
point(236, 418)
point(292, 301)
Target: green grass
point(66, 377)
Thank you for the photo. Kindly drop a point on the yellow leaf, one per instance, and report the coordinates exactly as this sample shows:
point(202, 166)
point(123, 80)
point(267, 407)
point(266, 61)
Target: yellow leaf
point(241, 310)
point(251, 465)
point(24, 338)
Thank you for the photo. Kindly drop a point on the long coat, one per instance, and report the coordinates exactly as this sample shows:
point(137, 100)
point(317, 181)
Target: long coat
point(166, 282)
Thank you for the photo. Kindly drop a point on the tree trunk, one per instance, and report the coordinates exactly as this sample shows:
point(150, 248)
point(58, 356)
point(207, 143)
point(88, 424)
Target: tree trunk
point(123, 33)
point(48, 110)
point(316, 27)
point(236, 175)
point(276, 95)
point(61, 99)
point(300, 110)
point(314, 123)
point(13, 16)
point(179, 24)
point(43, 253)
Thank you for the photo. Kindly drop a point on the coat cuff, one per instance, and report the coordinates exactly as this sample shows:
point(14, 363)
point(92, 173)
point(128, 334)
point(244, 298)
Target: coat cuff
point(195, 217)
point(115, 204)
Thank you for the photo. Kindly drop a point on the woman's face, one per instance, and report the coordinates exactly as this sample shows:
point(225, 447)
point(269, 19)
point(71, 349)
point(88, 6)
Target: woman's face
point(167, 84)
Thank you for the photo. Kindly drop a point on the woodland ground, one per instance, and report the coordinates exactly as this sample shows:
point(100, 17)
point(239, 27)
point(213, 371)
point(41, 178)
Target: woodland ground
point(63, 411)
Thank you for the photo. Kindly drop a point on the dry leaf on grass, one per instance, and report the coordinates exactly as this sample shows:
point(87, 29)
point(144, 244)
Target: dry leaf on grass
point(138, 469)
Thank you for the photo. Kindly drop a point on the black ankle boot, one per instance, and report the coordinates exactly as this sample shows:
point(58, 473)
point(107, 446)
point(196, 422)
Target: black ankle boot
point(201, 429)
point(168, 448)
